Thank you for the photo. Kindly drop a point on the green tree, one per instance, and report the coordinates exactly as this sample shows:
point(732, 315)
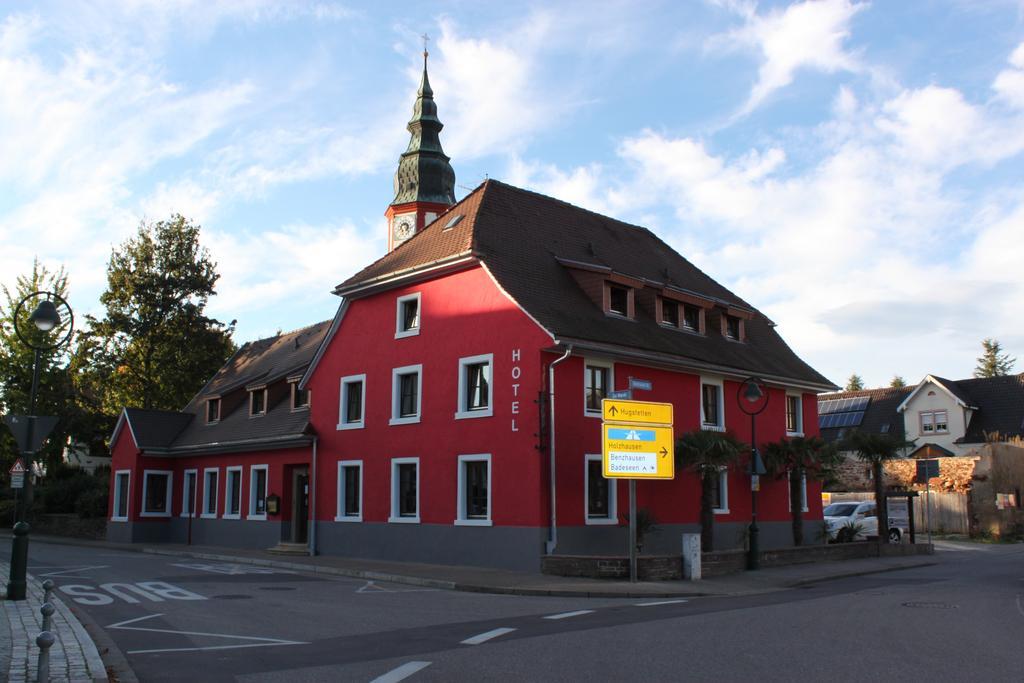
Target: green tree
point(154, 347)
point(707, 453)
point(876, 450)
point(795, 458)
point(897, 382)
point(54, 395)
point(993, 362)
point(855, 383)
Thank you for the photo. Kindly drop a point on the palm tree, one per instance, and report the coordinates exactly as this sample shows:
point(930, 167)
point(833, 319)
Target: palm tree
point(876, 449)
point(706, 453)
point(795, 458)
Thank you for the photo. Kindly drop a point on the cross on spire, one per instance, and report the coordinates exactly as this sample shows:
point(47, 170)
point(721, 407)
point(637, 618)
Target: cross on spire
point(426, 39)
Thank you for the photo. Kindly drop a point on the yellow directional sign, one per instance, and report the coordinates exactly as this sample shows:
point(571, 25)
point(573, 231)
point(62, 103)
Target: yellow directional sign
point(637, 451)
point(636, 412)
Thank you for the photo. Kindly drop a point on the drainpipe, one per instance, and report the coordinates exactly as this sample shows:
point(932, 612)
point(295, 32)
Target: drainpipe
point(553, 531)
point(312, 505)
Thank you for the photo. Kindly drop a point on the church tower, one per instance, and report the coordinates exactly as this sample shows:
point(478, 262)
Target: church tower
point(424, 181)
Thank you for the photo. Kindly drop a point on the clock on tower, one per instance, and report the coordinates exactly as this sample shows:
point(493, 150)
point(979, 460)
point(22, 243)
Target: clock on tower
point(402, 227)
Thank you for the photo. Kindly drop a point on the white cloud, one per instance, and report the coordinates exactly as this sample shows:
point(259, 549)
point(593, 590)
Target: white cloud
point(805, 35)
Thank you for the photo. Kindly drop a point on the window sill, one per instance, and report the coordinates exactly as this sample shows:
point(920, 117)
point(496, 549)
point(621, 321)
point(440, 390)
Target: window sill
point(721, 511)
point(300, 408)
point(592, 413)
point(601, 521)
point(154, 514)
point(407, 333)
point(210, 423)
point(351, 425)
point(473, 522)
point(256, 518)
point(619, 316)
point(470, 414)
point(238, 516)
point(794, 433)
point(257, 415)
point(404, 420)
point(713, 428)
point(118, 519)
point(350, 518)
point(404, 520)
point(208, 515)
point(185, 515)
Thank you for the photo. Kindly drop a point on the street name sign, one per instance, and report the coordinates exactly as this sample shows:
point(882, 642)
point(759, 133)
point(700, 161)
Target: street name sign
point(622, 393)
point(636, 412)
point(641, 384)
point(637, 452)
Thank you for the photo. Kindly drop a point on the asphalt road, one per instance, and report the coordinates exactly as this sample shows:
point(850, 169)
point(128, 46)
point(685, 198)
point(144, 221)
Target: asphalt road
point(178, 619)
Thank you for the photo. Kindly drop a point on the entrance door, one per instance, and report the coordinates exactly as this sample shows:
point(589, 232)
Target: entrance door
point(300, 505)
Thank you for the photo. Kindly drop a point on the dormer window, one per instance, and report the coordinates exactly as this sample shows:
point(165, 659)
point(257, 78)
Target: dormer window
point(691, 317)
point(732, 327)
point(212, 410)
point(300, 397)
point(407, 321)
point(258, 402)
point(618, 300)
point(669, 313)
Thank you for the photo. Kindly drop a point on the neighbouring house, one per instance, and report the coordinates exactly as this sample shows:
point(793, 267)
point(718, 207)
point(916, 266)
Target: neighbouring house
point(973, 427)
point(451, 410)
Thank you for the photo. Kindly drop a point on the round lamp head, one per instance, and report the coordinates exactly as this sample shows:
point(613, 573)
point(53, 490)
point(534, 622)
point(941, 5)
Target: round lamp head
point(45, 317)
point(753, 393)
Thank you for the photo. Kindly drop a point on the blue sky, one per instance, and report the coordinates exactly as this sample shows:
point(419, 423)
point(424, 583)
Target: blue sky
point(852, 169)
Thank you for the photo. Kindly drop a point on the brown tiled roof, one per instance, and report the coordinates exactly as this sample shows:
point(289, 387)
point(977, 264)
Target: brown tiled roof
point(522, 235)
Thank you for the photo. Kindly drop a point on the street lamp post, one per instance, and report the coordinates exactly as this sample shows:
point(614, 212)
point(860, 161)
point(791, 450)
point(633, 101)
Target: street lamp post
point(752, 398)
point(46, 318)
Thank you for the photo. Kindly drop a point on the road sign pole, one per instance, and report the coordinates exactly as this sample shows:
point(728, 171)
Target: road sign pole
point(928, 508)
point(632, 530)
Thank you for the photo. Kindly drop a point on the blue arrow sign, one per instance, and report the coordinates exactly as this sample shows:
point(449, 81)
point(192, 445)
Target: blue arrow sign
point(628, 434)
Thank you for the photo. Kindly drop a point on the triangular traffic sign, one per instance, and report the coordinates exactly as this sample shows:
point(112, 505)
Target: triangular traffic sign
point(18, 467)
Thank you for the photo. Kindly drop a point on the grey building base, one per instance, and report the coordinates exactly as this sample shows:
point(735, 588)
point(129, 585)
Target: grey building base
point(231, 533)
point(494, 546)
point(667, 540)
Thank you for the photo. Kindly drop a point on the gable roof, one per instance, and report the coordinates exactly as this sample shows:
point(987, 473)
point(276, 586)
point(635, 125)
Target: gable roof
point(525, 239)
point(955, 391)
point(256, 363)
point(997, 405)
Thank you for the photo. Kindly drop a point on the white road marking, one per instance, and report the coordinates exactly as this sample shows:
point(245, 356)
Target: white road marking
point(484, 637)
point(660, 602)
point(63, 572)
point(372, 587)
point(566, 615)
point(401, 673)
point(229, 569)
point(261, 642)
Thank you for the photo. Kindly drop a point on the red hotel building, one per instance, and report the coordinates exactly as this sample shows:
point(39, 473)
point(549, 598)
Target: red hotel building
point(450, 412)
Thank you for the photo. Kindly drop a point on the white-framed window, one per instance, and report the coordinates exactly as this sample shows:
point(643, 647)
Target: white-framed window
point(598, 380)
point(720, 492)
point(233, 492)
point(211, 475)
point(156, 493)
point(712, 404)
point(352, 402)
point(258, 402)
point(405, 490)
point(257, 491)
point(213, 410)
point(803, 494)
point(474, 490)
point(406, 392)
point(122, 493)
point(475, 386)
point(934, 422)
point(300, 397)
point(188, 493)
point(407, 315)
point(350, 491)
point(794, 415)
point(599, 493)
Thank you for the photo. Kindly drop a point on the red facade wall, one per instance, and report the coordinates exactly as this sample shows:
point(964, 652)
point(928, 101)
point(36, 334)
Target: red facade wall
point(461, 315)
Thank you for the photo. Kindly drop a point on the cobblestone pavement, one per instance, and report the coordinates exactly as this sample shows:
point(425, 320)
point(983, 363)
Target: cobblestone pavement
point(73, 657)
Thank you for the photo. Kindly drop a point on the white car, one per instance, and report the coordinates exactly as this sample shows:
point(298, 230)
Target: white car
point(859, 515)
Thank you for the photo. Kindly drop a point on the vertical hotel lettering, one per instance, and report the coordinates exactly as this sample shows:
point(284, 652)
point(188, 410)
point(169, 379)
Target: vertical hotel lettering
point(516, 372)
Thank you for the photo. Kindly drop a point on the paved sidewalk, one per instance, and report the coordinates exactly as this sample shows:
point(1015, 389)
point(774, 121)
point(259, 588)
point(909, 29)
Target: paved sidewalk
point(73, 657)
point(483, 580)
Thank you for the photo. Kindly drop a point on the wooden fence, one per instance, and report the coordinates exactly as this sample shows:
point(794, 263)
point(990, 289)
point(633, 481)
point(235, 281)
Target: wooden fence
point(948, 510)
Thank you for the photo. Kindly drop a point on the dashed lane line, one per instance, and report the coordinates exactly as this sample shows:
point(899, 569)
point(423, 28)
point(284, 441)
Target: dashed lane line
point(567, 615)
point(660, 602)
point(401, 673)
point(484, 637)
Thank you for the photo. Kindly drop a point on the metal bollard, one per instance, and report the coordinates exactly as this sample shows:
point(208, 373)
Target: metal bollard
point(45, 641)
point(47, 609)
point(19, 562)
point(47, 589)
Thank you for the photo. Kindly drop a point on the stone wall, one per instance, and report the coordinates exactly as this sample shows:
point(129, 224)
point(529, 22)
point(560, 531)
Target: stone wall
point(648, 567)
point(69, 525)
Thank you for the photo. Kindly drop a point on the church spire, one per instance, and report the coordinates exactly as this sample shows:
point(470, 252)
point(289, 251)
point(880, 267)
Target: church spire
point(424, 174)
point(424, 181)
